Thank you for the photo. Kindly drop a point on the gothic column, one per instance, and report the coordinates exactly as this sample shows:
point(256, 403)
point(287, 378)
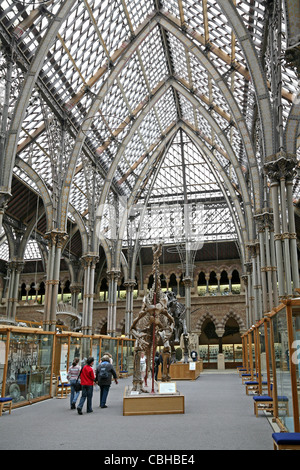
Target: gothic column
point(15, 267)
point(178, 286)
point(250, 293)
point(27, 288)
point(245, 282)
point(129, 305)
point(18, 269)
point(11, 271)
point(37, 286)
point(263, 267)
point(62, 287)
point(229, 283)
point(89, 262)
point(187, 287)
point(113, 277)
point(168, 282)
point(75, 290)
point(277, 237)
point(281, 172)
point(56, 242)
point(285, 238)
point(293, 236)
point(207, 283)
point(218, 279)
point(255, 282)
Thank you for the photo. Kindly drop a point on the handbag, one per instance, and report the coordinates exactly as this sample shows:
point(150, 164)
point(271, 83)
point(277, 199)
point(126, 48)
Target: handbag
point(77, 385)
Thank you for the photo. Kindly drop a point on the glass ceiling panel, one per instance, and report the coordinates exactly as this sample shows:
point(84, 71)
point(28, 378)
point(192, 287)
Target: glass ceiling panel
point(93, 31)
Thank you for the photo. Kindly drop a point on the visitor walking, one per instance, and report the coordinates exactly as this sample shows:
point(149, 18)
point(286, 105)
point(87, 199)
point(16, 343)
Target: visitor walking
point(156, 365)
point(73, 374)
point(104, 373)
point(143, 366)
point(87, 379)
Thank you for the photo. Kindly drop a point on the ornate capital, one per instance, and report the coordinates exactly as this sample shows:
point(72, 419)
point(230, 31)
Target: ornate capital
point(113, 274)
point(56, 237)
point(89, 259)
point(282, 165)
point(129, 283)
point(264, 218)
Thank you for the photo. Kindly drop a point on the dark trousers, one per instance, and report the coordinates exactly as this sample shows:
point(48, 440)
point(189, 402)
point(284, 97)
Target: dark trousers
point(86, 394)
point(104, 389)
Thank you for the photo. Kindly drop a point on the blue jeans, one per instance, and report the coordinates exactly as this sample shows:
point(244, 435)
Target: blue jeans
point(86, 394)
point(104, 389)
point(74, 395)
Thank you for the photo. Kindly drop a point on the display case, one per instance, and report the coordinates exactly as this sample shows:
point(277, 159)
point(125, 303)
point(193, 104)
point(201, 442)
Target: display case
point(238, 353)
point(228, 351)
point(126, 355)
point(110, 345)
point(213, 352)
point(31, 359)
point(277, 357)
point(96, 350)
point(26, 361)
point(68, 345)
point(292, 359)
point(203, 352)
point(264, 370)
point(3, 359)
point(282, 383)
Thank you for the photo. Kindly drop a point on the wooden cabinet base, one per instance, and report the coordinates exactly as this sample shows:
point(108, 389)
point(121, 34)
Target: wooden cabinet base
point(148, 404)
point(181, 371)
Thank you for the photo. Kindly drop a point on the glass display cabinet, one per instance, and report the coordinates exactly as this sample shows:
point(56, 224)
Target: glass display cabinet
point(30, 359)
point(276, 343)
point(126, 355)
point(96, 349)
point(238, 353)
point(68, 345)
point(26, 363)
point(110, 345)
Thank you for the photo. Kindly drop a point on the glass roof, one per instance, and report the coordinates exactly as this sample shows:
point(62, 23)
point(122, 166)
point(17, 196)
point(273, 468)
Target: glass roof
point(162, 87)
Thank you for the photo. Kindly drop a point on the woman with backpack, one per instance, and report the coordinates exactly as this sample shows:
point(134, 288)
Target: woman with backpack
point(104, 373)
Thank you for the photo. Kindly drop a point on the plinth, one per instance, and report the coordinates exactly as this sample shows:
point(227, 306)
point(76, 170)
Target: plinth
point(183, 371)
point(152, 403)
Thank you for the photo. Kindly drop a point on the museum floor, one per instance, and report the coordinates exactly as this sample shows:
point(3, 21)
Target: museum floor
point(218, 416)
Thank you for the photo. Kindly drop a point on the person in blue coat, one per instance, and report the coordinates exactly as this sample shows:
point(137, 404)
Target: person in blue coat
point(104, 373)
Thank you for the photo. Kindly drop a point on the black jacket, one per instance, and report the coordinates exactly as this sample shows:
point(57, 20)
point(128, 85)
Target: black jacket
point(111, 372)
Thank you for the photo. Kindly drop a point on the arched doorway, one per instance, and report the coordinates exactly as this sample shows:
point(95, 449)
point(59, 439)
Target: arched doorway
point(230, 344)
point(209, 345)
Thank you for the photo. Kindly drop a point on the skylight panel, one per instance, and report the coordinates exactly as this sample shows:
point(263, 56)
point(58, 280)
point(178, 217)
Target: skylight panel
point(138, 11)
point(153, 58)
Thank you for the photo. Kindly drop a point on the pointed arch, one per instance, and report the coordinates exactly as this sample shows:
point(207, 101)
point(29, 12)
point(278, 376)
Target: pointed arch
point(236, 317)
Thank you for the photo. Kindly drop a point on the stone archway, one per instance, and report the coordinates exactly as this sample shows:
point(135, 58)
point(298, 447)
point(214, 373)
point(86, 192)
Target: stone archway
point(101, 328)
point(236, 317)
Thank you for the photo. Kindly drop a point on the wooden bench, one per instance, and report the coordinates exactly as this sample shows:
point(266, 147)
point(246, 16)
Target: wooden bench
point(286, 440)
point(265, 402)
point(253, 386)
point(123, 374)
point(5, 403)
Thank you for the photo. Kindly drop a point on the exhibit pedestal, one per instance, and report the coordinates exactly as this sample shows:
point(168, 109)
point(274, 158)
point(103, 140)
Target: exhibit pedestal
point(221, 361)
point(181, 371)
point(152, 403)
